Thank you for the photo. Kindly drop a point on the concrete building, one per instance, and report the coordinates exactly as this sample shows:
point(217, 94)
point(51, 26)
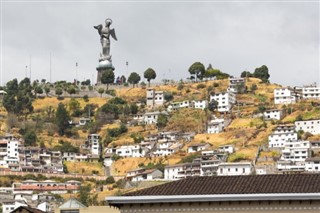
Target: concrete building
point(241, 168)
point(216, 125)
point(290, 166)
point(94, 144)
point(273, 114)
point(178, 105)
point(311, 126)
point(311, 92)
point(296, 151)
point(225, 100)
point(228, 148)
point(198, 147)
point(166, 147)
point(144, 175)
point(282, 134)
point(126, 151)
point(152, 117)
point(154, 98)
point(313, 164)
point(172, 172)
point(237, 85)
point(199, 104)
point(284, 96)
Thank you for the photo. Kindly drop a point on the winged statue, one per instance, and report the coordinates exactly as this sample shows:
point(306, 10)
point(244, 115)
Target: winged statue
point(105, 32)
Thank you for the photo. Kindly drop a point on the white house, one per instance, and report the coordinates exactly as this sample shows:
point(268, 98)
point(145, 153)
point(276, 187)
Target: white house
point(94, 145)
point(173, 172)
point(282, 134)
point(225, 100)
point(10, 205)
point(68, 156)
point(215, 126)
point(152, 117)
point(154, 98)
point(178, 105)
point(199, 104)
point(139, 118)
point(126, 151)
point(312, 164)
point(286, 166)
point(209, 166)
point(311, 126)
point(284, 96)
point(311, 92)
point(296, 151)
point(147, 175)
point(166, 147)
point(12, 149)
point(274, 114)
point(227, 148)
point(237, 85)
point(44, 206)
point(198, 147)
point(241, 168)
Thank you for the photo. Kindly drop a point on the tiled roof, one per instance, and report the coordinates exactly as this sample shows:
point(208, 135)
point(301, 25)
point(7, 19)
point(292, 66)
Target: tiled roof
point(27, 209)
point(251, 184)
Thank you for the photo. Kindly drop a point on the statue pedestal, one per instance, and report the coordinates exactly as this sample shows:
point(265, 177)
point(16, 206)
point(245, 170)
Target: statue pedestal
point(103, 66)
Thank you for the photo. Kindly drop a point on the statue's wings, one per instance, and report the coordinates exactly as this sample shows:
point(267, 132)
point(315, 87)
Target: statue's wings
point(113, 34)
point(98, 27)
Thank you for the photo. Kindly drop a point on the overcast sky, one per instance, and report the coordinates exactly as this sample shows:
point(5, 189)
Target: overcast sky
point(169, 37)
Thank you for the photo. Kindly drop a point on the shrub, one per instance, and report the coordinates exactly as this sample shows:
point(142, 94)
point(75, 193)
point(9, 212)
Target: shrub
point(189, 158)
point(110, 180)
point(201, 86)
point(168, 96)
point(180, 86)
point(111, 92)
point(86, 98)
point(253, 87)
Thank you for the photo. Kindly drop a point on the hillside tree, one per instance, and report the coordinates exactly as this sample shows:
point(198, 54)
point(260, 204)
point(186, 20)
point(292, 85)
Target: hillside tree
point(197, 69)
point(62, 119)
point(107, 77)
point(150, 74)
point(262, 73)
point(134, 78)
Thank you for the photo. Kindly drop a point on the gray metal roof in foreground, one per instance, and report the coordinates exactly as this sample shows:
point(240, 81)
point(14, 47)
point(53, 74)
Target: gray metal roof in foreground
point(115, 200)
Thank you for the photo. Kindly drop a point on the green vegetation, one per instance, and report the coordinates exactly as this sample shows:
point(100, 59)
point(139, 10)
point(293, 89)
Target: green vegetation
point(134, 78)
point(150, 74)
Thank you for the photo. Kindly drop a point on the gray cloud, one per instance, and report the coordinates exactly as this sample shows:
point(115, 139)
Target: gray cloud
point(166, 36)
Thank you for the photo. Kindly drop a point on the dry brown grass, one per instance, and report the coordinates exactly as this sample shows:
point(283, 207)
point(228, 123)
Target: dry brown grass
point(85, 168)
point(122, 166)
point(42, 104)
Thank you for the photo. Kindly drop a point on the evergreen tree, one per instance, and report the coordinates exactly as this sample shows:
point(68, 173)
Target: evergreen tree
point(107, 77)
point(62, 119)
point(150, 74)
point(197, 69)
point(134, 78)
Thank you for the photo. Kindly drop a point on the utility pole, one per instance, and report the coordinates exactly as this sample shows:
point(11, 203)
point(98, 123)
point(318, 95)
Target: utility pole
point(76, 73)
point(30, 67)
point(50, 68)
point(26, 71)
point(127, 64)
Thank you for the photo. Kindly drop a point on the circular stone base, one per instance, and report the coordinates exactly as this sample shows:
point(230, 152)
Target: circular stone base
point(103, 65)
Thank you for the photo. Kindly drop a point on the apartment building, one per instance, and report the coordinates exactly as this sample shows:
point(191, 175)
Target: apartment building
point(225, 100)
point(284, 96)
